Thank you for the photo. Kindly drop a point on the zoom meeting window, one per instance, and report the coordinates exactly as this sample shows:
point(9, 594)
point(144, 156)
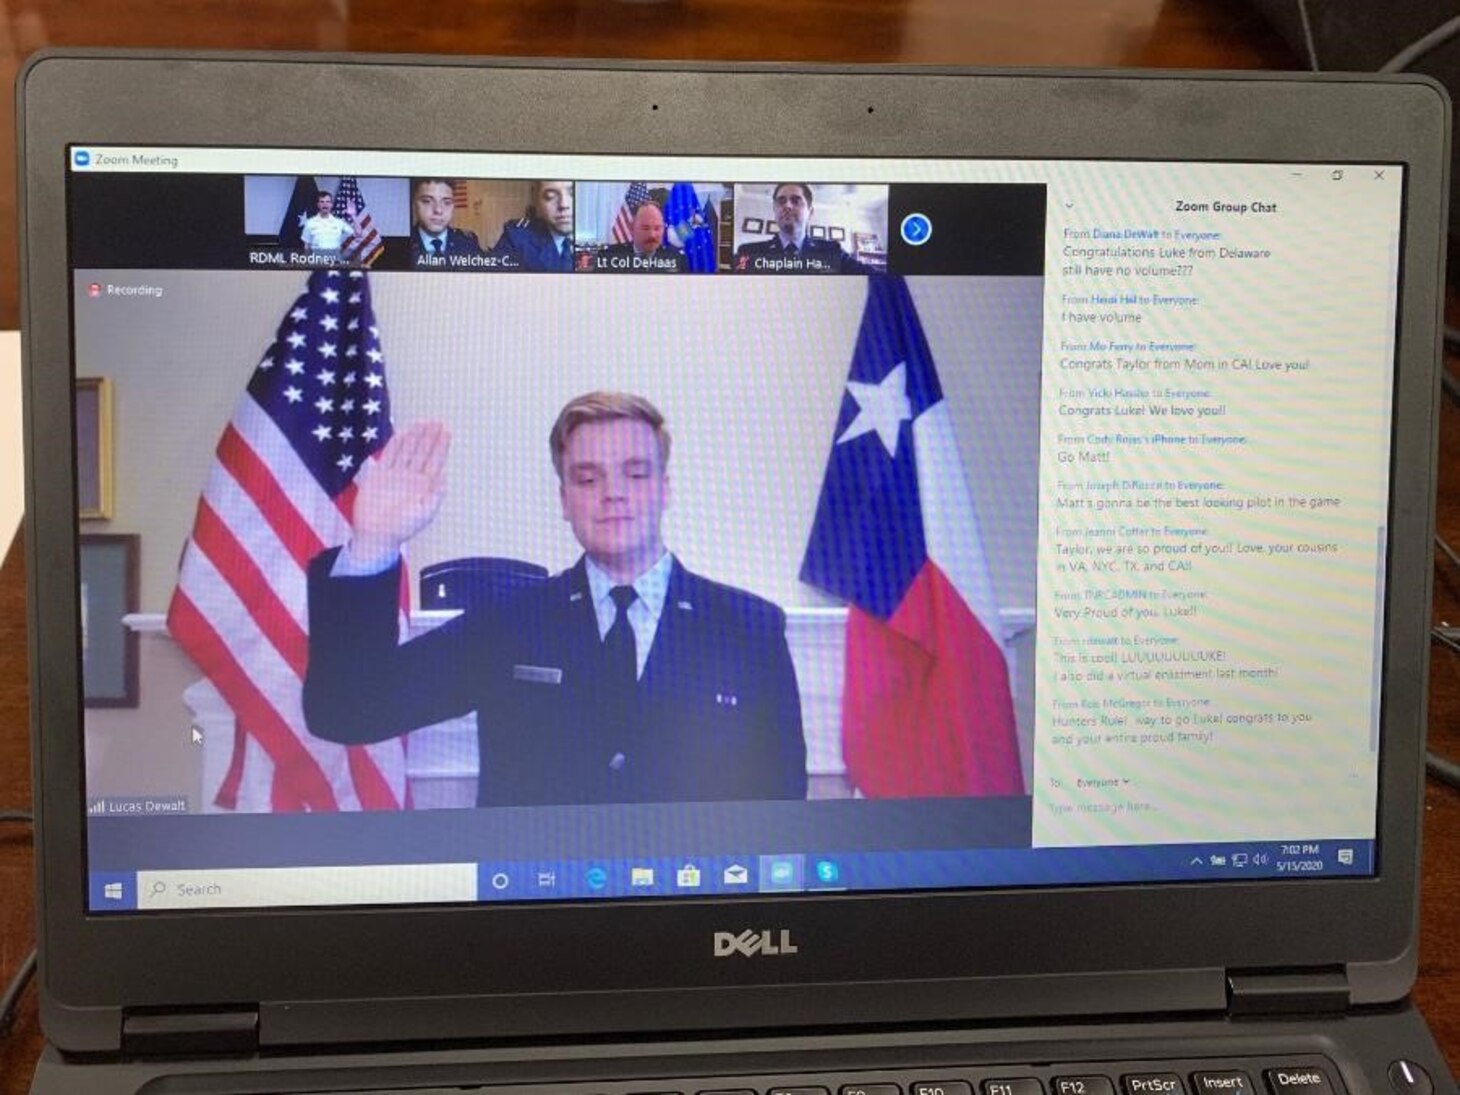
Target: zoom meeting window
point(672, 528)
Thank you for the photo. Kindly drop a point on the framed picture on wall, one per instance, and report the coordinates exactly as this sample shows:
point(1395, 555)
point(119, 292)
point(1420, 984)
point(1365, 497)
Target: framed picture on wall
point(818, 232)
point(833, 232)
point(109, 591)
point(752, 224)
point(94, 448)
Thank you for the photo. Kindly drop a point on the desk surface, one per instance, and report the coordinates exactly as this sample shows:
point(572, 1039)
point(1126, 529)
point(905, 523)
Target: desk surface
point(1173, 33)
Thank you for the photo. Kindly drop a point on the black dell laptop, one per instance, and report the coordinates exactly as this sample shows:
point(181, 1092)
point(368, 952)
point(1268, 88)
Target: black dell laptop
point(587, 578)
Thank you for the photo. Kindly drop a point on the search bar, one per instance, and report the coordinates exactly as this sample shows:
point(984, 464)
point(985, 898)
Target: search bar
point(278, 887)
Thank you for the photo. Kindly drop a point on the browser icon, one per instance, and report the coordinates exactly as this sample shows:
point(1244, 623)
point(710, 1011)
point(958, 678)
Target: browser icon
point(737, 875)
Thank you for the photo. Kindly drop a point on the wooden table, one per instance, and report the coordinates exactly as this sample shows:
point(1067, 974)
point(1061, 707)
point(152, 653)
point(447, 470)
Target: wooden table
point(1110, 33)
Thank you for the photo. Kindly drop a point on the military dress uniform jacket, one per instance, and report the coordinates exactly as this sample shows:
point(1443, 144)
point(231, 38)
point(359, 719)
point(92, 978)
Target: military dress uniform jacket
point(814, 257)
point(716, 714)
point(530, 245)
point(458, 242)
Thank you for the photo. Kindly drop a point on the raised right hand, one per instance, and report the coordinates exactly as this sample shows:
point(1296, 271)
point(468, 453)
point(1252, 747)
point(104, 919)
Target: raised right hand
point(399, 492)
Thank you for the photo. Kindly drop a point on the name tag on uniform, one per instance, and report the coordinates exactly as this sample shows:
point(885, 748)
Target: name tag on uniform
point(537, 674)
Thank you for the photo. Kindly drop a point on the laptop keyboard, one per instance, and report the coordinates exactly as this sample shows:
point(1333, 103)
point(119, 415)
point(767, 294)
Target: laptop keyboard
point(1263, 1076)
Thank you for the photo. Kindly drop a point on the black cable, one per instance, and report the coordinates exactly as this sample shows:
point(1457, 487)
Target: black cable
point(11, 997)
point(1398, 63)
point(1452, 342)
point(1422, 47)
point(1442, 636)
point(1416, 50)
point(1436, 766)
point(1308, 36)
point(1405, 58)
point(1446, 771)
point(1450, 552)
point(1449, 384)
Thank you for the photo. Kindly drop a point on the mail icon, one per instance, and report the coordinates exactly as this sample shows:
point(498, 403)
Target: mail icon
point(736, 875)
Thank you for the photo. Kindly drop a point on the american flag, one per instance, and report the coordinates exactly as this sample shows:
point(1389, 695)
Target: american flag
point(623, 224)
point(281, 490)
point(366, 245)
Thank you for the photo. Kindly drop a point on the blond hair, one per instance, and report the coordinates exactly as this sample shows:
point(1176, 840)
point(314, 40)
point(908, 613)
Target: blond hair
point(606, 407)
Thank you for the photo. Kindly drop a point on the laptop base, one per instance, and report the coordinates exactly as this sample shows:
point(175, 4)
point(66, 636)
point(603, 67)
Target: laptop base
point(1354, 1052)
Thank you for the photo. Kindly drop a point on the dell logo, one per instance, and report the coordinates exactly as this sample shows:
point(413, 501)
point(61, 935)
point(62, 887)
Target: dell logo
point(750, 943)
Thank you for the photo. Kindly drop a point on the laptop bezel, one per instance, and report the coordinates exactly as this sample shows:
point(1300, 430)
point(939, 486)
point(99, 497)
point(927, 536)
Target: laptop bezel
point(510, 971)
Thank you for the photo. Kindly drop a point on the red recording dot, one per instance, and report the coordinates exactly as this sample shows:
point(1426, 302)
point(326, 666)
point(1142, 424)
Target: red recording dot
point(93, 290)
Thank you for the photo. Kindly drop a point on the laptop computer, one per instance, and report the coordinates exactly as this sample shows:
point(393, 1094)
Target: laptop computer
point(592, 578)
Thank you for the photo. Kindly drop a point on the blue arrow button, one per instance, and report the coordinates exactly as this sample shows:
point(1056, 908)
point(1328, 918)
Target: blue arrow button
point(917, 229)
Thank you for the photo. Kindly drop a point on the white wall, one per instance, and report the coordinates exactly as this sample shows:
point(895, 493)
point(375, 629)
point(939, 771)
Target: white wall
point(748, 371)
point(148, 749)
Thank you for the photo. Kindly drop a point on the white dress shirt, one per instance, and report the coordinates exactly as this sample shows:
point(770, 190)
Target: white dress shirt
point(325, 233)
point(652, 588)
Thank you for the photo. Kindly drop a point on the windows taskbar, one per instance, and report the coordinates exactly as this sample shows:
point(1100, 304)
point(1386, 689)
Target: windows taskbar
point(717, 876)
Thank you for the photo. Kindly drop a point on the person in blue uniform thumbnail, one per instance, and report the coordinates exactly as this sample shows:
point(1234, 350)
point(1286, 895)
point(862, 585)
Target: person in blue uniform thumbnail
point(542, 240)
point(627, 678)
point(433, 236)
point(792, 250)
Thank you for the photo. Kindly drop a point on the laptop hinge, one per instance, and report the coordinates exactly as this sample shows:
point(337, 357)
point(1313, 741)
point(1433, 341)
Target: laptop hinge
point(191, 1032)
point(1287, 992)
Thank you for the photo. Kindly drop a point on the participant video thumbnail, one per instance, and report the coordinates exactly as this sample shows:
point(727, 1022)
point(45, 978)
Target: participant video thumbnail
point(651, 227)
point(810, 228)
point(454, 220)
point(780, 539)
point(323, 220)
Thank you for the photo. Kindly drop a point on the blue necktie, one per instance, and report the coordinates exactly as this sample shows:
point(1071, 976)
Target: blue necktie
point(620, 650)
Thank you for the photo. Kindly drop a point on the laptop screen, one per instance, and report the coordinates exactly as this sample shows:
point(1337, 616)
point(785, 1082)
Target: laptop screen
point(451, 534)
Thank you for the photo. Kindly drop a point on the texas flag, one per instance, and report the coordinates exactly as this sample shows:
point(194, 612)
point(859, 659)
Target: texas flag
point(926, 709)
